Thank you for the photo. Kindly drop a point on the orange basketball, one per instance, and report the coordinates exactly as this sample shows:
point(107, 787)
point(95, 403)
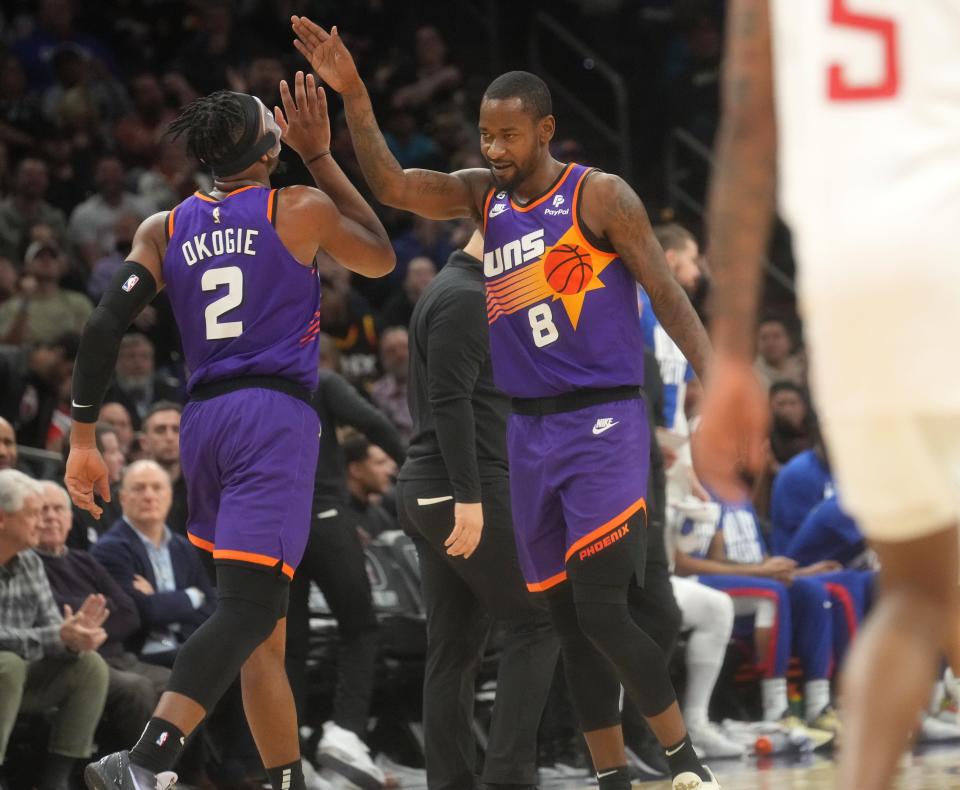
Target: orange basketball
point(568, 268)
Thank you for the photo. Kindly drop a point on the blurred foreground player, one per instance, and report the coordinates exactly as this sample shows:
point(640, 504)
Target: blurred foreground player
point(564, 246)
point(238, 266)
point(867, 110)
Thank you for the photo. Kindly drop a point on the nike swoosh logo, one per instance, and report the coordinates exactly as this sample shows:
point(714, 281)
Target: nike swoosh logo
point(436, 500)
point(328, 513)
point(671, 752)
point(597, 431)
point(80, 405)
point(606, 773)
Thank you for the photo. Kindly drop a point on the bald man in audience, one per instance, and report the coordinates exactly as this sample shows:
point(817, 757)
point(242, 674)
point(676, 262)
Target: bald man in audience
point(8, 446)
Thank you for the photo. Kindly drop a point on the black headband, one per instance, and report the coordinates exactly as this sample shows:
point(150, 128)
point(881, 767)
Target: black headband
point(248, 148)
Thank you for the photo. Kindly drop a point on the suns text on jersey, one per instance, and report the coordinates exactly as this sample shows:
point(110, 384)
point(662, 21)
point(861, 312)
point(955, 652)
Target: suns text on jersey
point(226, 241)
point(502, 259)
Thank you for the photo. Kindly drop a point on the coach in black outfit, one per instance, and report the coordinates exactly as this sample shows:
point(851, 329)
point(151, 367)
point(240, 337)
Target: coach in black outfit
point(457, 458)
point(334, 559)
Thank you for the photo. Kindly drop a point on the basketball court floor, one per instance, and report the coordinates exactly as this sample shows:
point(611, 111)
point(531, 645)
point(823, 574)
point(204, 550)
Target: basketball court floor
point(933, 769)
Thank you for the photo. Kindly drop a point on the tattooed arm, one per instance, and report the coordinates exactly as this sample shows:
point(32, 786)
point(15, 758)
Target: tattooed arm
point(425, 192)
point(612, 210)
point(744, 178)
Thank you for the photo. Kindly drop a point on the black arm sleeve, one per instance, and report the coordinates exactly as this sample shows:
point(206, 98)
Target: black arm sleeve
point(348, 407)
point(456, 349)
point(130, 290)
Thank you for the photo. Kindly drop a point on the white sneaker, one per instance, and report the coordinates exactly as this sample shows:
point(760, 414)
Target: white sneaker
point(710, 743)
point(312, 779)
point(690, 781)
point(933, 730)
point(342, 752)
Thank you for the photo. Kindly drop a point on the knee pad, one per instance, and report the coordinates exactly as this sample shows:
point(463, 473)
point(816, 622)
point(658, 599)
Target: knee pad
point(249, 603)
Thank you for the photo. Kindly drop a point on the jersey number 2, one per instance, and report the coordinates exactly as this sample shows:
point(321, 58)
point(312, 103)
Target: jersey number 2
point(884, 29)
point(232, 277)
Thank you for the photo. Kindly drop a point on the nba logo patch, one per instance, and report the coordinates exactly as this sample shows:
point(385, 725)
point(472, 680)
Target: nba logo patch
point(128, 286)
point(163, 738)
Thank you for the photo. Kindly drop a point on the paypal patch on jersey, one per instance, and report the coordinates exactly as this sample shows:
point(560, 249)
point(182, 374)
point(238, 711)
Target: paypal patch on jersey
point(674, 368)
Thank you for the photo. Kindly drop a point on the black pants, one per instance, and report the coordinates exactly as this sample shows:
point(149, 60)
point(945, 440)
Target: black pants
point(463, 598)
point(334, 559)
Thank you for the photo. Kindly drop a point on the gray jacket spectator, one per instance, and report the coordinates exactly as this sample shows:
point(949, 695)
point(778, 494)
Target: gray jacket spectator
point(26, 207)
point(46, 660)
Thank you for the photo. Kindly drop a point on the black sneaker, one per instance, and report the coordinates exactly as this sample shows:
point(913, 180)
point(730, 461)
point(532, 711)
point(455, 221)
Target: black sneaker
point(116, 772)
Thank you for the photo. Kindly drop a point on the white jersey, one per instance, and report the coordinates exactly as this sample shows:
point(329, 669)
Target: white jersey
point(868, 117)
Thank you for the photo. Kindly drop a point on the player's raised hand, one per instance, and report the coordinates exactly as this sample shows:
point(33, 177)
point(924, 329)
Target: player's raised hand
point(87, 473)
point(733, 426)
point(467, 529)
point(327, 54)
point(304, 122)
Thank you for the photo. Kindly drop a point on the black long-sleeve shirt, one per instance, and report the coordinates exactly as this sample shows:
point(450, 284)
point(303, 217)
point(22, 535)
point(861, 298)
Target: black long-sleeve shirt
point(459, 416)
point(338, 403)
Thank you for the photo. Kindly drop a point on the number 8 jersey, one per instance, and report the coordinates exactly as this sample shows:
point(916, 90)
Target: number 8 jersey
point(244, 305)
point(562, 309)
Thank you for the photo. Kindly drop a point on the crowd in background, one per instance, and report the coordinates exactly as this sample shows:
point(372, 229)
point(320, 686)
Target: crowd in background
point(85, 96)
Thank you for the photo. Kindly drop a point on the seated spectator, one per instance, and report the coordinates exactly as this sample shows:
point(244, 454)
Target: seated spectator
point(46, 660)
point(389, 392)
point(140, 131)
point(160, 442)
point(20, 120)
point(33, 378)
point(369, 476)
point(793, 427)
point(790, 606)
point(425, 238)
point(71, 173)
point(434, 80)
point(134, 687)
point(348, 319)
point(8, 446)
point(116, 416)
point(92, 222)
point(124, 229)
point(159, 569)
point(802, 484)
point(776, 360)
point(25, 206)
point(399, 307)
point(42, 310)
point(412, 148)
point(827, 533)
point(137, 385)
point(9, 279)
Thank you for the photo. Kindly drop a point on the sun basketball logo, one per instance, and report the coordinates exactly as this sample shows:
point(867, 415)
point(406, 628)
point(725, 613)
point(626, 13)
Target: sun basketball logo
point(568, 268)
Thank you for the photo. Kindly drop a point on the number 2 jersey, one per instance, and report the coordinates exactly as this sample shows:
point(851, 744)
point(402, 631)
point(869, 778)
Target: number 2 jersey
point(244, 305)
point(562, 310)
point(868, 123)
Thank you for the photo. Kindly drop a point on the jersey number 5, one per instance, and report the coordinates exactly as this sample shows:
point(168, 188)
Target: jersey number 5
point(885, 31)
point(232, 277)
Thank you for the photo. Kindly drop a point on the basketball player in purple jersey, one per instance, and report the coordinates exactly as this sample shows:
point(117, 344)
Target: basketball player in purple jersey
point(238, 265)
point(564, 246)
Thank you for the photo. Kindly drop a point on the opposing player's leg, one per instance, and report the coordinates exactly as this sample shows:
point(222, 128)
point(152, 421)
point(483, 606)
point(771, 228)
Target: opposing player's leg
point(897, 474)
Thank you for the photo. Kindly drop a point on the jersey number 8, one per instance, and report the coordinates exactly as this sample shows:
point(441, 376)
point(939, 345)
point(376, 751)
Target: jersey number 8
point(232, 277)
point(541, 322)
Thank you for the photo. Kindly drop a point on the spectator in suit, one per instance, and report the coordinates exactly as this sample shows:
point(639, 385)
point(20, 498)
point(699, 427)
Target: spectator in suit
point(160, 441)
point(46, 660)
point(159, 569)
point(134, 686)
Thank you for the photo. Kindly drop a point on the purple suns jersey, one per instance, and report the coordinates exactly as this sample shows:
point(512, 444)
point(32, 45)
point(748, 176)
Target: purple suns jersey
point(244, 305)
point(563, 313)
